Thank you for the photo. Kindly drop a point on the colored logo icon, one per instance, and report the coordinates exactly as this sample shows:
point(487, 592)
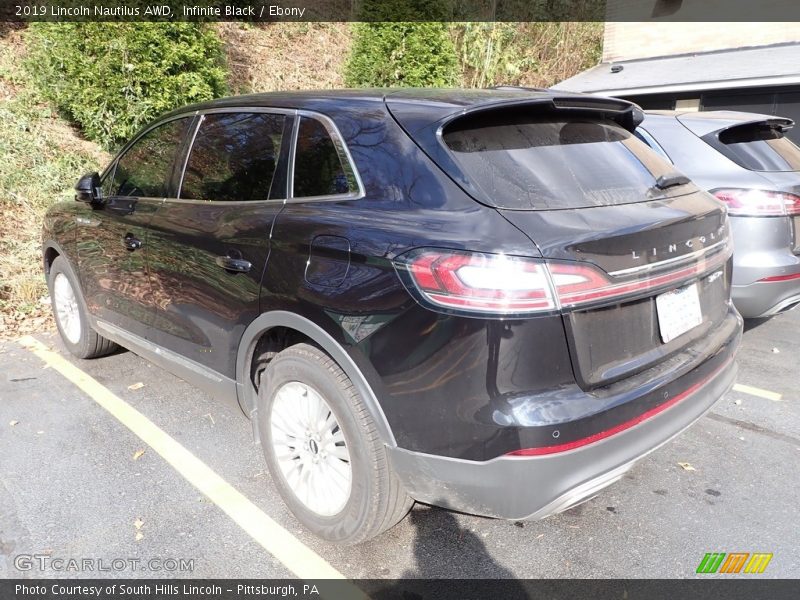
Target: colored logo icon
point(734, 562)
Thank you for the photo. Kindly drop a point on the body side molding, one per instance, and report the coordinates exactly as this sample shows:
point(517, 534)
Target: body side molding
point(200, 376)
point(280, 318)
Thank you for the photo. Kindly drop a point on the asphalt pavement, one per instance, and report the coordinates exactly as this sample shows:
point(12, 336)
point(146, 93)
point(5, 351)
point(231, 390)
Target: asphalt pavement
point(81, 495)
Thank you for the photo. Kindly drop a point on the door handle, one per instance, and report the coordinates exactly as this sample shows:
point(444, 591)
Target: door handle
point(131, 243)
point(234, 265)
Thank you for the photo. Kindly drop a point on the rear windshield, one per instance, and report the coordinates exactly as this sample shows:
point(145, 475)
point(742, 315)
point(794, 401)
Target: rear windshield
point(523, 162)
point(757, 147)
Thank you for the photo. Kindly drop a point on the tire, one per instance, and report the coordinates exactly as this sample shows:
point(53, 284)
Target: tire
point(71, 316)
point(295, 380)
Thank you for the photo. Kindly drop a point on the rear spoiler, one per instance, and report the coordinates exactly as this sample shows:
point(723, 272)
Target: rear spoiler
point(718, 122)
point(626, 114)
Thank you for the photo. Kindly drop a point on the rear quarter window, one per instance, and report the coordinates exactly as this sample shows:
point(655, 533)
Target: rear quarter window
point(321, 165)
point(523, 162)
point(757, 147)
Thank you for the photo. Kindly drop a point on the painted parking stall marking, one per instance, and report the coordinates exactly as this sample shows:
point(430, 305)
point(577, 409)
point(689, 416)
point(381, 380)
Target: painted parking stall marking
point(280, 543)
point(754, 391)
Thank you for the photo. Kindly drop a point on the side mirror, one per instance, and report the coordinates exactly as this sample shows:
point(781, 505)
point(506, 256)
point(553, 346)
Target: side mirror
point(88, 188)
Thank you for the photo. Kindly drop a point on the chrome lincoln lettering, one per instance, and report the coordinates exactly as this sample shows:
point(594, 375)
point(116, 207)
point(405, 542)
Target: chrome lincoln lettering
point(672, 248)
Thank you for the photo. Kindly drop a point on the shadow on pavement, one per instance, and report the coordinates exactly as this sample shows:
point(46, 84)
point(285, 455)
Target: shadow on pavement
point(446, 551)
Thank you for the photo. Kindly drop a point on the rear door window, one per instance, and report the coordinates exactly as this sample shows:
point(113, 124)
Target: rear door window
point(321, 166)
point(144, 169)
point(757, 147)
point(524, 162)
point(234, 157)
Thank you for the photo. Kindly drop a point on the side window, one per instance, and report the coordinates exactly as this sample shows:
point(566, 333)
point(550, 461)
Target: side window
point(233, 157)
point(146, 166)
point(321, 167)
point(648, 139)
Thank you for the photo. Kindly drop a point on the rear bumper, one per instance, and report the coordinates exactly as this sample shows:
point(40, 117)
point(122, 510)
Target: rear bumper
point(766, 298)
point(534, 487)
point(764, 247)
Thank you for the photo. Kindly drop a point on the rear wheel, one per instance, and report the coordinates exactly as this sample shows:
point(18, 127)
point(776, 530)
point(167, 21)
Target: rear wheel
point(323, 449)
point(70, 314)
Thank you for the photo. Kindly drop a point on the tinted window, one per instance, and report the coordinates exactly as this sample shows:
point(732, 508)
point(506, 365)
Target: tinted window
point(320, 169)
point(758, 147)
point(145, 167)
point(233, 157)
point(651, 142)
point(521, 162)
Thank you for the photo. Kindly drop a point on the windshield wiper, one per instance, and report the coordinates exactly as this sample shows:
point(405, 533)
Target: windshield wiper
point(671, 180)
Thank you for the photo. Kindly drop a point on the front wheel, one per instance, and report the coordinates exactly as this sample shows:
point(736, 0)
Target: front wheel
point(323, 449)
point(70, 314)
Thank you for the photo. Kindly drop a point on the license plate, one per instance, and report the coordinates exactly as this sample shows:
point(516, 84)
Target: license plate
point(678, 312)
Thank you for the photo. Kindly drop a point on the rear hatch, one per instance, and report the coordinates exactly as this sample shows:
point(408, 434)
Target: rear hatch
point(651, 249)
point(757, 143)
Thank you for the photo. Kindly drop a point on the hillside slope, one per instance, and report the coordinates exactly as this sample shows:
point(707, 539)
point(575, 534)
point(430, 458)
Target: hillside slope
point(41, 156)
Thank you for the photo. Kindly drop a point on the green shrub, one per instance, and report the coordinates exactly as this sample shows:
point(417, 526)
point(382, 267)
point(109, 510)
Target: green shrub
point(113, 78)
point(490, 53)
point(402, 54)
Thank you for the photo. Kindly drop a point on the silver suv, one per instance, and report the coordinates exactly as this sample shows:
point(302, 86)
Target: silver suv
point(744, 160)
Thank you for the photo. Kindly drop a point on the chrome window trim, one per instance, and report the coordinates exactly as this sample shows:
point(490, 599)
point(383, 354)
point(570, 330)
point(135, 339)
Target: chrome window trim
point(230, 110)
point(336, 136)
point(344, 156)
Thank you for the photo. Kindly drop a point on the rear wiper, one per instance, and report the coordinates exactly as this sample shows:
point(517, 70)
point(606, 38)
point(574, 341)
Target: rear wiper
point(671, 180)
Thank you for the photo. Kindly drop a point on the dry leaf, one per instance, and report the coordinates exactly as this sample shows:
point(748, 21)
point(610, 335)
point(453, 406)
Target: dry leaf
point(12, 423)
point(138, 454)
point(139, 535)
point(686, 466)
point(138, 523)
point(136, 386)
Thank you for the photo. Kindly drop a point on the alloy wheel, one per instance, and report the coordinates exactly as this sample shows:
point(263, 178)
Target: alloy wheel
point(310, 448)
point(67, 311)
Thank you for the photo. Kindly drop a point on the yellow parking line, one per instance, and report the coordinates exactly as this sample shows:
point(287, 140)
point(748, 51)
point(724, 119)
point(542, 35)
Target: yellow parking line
point(754, 391)
point(295, 556)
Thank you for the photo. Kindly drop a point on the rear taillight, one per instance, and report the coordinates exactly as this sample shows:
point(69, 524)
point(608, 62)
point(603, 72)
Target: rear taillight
point(758, 203)
point(499, 284)
point(481, 282)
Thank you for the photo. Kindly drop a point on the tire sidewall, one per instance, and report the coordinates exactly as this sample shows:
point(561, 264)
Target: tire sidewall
point(61, 265)
point(295, 366)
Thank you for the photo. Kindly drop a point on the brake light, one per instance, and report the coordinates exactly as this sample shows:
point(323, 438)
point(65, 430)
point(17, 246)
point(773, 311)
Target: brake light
point(758, 203)
point(481, 282)
point(499, 284)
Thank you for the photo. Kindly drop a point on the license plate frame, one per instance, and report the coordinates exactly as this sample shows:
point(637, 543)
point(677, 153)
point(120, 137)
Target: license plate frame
point(678, 312)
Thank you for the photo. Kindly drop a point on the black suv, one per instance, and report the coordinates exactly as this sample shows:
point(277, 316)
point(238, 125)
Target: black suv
point(489, 300)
